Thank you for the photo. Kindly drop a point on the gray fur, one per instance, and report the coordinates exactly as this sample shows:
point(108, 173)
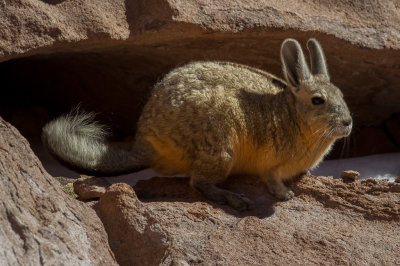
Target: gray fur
point(78, 141)
point(210, 120)
point(317, 59)
point(295, 67)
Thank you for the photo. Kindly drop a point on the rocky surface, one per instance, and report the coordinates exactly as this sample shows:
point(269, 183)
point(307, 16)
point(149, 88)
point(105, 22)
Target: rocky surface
point(162, 221)
point(31, 26)
point(39, 223)
point(135, 234)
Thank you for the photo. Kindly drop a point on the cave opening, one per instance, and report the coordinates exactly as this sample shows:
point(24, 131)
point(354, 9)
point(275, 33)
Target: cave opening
point(115, 83)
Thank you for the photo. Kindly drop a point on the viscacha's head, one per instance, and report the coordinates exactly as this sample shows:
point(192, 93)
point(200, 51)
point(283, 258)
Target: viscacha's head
point(318, 102)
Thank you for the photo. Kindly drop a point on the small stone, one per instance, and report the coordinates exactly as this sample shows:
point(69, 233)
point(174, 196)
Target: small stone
point(349, 176)
point(397, 179)
point(90, 188)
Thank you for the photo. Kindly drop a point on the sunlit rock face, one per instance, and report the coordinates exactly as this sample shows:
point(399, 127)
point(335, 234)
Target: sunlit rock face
point(41, 224)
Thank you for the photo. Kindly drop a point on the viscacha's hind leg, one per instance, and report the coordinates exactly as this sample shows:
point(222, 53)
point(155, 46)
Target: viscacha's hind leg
point(219, 195)
point(209, 170)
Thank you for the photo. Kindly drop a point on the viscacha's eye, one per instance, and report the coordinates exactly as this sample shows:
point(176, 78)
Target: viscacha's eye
point(317, 100)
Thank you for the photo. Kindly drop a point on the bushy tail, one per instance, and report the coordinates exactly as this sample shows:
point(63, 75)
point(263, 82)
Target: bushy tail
point(78, 141)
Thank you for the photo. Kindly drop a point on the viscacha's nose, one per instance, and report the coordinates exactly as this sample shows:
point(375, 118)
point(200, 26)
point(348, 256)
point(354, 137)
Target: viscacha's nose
point(347, 122)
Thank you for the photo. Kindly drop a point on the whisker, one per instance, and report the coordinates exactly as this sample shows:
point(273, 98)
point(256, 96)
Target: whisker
point(316, 151)
point(317, 131)
point(317, 139)
point(320, 146)
point(309, 146)
point(323, 141)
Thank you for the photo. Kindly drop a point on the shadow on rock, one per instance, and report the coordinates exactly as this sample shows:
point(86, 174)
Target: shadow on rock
point(177, 189)
point(53, 2)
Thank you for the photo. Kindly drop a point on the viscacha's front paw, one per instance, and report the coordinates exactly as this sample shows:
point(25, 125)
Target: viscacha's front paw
point(281, 192)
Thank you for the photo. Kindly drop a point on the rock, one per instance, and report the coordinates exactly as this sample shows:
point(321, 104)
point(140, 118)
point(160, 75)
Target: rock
point(397, 179)
point(30, 26)
point(327, 222)
point(349, 176)
point(89, 188)
point(40, 224)
point(135, 234)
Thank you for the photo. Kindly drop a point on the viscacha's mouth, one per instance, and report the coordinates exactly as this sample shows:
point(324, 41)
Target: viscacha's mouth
point(342, 131)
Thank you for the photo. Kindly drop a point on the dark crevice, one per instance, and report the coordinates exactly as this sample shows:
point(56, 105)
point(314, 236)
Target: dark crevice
point(41, 259)
point(53, 2)
point(18, 227)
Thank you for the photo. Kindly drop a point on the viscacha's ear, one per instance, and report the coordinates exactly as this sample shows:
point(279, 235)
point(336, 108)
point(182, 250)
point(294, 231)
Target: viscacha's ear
point(317, 59)
point(295, 67)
